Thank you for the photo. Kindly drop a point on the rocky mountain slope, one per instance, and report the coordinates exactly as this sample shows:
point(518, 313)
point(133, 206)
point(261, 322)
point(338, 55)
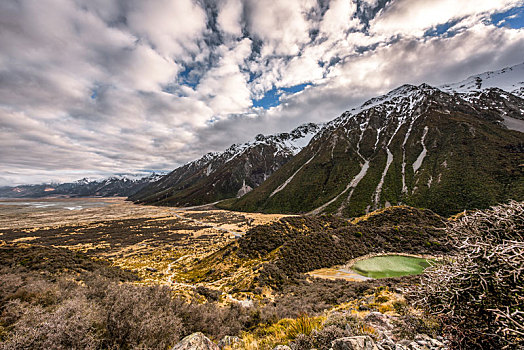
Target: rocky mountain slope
point(121, 186)
point(447, 149)
point(227, 174)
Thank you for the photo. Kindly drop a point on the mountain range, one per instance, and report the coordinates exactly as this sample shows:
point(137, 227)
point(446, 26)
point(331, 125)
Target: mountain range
point(231, 173)
point(447, 148)
point(115, 186)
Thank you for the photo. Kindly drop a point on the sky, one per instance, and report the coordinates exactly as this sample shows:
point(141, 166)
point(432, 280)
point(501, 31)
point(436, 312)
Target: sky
point(90, 88)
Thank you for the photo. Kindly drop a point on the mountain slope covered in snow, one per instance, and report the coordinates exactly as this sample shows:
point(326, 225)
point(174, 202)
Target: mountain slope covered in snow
point(510, 79)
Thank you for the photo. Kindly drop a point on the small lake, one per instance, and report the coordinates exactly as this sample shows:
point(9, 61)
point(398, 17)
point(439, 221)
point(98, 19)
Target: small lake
point(391, 266)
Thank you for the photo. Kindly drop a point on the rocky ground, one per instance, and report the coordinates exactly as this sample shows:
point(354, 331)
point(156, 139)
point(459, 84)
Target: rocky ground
point(378, 331)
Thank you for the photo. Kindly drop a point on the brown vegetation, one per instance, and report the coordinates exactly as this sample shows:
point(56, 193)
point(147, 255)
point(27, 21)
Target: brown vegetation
point(479, 292)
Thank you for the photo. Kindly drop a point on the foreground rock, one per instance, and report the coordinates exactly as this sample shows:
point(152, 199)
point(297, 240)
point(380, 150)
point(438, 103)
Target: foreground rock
point(196, 341)
point(421, 342)
point(354, 343)
point(228, 341)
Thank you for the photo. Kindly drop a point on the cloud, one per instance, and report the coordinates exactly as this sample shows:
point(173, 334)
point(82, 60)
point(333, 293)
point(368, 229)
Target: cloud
point(93, 87)
point(170, 26)
point(414, 17)
point(230, 17)
point(224, 87)
point(339, 18)
point(281, 25)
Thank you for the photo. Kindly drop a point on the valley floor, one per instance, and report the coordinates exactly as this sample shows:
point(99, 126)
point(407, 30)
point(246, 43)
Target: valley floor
point(274, 286)
point(148, 240)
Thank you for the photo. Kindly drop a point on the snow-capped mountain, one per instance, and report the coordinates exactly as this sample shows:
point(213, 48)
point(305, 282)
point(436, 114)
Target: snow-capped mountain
point(115, 186)
point(510, 79)
point(447, 149)
point(232, 173)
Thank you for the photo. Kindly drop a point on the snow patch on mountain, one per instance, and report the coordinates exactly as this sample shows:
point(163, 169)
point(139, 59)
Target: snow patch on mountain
point(281, 187)
point(244, 189)
point(514, 123)
point(422, 155)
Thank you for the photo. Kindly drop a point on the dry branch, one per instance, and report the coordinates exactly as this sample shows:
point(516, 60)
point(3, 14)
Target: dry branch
point(479, 291)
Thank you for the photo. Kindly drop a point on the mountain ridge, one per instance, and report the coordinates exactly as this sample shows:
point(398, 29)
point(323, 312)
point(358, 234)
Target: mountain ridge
point(114, 186)
point(376, 154)
point(234, 172)
point(365, 134)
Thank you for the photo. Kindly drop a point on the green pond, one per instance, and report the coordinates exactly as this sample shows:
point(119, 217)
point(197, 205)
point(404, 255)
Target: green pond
point(390, 266)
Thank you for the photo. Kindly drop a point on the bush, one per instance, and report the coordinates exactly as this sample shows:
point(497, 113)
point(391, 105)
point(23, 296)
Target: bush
point(478, 293)
point(92, 309)
point(408, 326)
point(73, 325)
point(208, 293)
point(143, 317)
point(303, 325)
point(322, 339)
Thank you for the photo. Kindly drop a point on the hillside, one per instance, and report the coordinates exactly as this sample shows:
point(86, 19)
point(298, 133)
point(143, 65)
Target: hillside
point(276, 254)
point(59, 297)
point(227, 174)
point(417, 145)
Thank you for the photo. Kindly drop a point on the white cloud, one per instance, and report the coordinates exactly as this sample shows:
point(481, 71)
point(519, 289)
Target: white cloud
point(91, 87)
point(282, 25)
point(142, 68)
point(172, 27)
point(225, 86)
point(339, 18)
point(230, 17)
point(414, 17)
point(299, 70)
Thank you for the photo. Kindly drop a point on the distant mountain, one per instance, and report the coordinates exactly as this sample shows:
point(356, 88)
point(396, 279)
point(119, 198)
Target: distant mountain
point(116, 186)
point(446, 149)
point(231, 173)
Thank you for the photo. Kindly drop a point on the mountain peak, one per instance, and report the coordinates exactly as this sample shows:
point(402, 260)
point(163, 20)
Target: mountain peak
point(510, 79)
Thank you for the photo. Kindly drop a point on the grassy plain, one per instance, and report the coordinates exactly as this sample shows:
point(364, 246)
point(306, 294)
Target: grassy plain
point(154, 242)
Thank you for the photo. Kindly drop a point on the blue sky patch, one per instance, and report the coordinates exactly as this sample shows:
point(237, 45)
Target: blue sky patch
point(440, 29)
point(95, 90)
point(272, 97)
point(189, 79)
point(513, 18)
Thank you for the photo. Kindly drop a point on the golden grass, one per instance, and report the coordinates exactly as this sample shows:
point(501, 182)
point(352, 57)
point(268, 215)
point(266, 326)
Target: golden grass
point(373, 213)
point(280, 333)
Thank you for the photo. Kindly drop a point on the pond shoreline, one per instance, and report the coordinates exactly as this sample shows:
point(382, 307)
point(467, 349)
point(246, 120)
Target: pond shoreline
point(347, 271)
point(353, 261)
